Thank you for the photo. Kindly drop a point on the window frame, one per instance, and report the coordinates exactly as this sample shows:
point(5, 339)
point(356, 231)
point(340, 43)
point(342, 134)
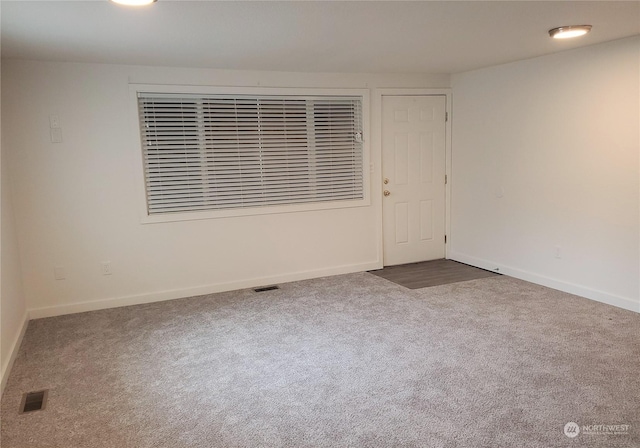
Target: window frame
point(146, 218)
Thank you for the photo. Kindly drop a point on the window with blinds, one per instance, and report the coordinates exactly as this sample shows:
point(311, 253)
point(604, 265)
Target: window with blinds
point(214, 152)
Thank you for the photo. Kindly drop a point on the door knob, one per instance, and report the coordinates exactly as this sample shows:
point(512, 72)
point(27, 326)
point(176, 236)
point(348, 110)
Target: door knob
point(386, 192)
point(386, 181)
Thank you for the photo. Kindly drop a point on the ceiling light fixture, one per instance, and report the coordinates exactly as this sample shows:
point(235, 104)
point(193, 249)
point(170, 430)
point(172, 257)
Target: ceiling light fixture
point(134, 2)
point(566, 32)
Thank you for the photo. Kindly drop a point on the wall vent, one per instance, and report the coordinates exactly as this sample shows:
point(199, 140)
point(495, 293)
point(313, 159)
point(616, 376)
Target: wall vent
point(34, 401)
point(266, 288)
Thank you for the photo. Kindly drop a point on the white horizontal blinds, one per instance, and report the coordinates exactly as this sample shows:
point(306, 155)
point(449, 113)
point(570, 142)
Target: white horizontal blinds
point(257, 151)
point(173, 164)
point(221, 152)
point(338, 150)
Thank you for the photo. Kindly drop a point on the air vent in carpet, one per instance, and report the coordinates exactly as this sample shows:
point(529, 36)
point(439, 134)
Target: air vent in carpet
point(266, 288)
point(34, 401)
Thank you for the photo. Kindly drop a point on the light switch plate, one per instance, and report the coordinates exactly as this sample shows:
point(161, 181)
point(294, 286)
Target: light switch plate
point(56, 135)
point(54, 121)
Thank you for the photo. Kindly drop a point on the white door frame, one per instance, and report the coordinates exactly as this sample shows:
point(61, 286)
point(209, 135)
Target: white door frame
point(376, 180)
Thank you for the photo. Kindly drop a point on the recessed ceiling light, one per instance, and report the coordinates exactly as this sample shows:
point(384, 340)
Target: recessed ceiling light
point(134, 2)
point(566, 32)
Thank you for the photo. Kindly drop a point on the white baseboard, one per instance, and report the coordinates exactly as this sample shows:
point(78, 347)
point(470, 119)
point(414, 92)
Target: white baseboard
point(15, 347)
point(571, 288)
point(157, 296)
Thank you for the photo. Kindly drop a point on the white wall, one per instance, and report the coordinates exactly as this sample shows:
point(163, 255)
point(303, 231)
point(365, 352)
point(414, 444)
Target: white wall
point(13, 312)
point(559, 136)
point(75, 202)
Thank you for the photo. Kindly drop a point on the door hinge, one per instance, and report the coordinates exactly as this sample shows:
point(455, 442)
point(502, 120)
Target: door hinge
point(446, 116)
point(445, 179)
point(445, 239)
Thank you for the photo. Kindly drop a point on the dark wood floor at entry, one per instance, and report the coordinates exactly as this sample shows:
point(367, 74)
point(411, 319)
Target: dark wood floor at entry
point(431, 273)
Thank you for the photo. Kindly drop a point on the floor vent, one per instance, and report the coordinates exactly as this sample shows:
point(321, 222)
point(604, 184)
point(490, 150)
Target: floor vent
point(34, 401)
point(266, 288)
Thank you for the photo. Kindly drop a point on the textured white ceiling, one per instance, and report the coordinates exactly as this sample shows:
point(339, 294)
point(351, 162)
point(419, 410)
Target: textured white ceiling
point(307, 36)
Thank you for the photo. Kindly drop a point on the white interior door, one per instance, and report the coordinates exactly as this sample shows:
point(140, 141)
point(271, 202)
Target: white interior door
point(413, 171)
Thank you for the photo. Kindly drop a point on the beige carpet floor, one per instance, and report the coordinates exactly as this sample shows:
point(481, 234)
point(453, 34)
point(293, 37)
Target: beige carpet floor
point(346, 361)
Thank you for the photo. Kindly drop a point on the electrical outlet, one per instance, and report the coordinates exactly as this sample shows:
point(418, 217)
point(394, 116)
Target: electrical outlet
point(59, 273)
point(106, 268)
